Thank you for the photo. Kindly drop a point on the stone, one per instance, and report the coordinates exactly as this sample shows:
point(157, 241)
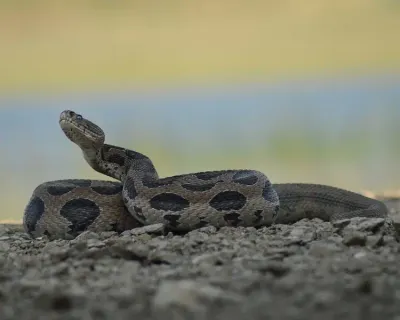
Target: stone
point(86, 235)
point(302, 234)
point(4, 246)
point(354, 238)
point(189, 295)
point(153, 228)
point(321, 249)
point(4, 230)
point(342, 223)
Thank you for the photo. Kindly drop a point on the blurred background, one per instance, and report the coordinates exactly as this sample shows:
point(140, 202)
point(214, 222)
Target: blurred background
point(305, 91)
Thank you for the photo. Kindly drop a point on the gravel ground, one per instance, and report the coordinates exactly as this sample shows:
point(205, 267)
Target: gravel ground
point(308, 270)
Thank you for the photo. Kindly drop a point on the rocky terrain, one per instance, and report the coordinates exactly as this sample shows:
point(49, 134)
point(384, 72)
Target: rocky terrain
point(308, 270)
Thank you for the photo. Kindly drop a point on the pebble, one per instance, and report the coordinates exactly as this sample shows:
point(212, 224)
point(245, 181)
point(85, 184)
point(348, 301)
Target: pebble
point(354, 238)
point(302, 234)
point(86, 235)
point(4, 230)
point(322, 249)
point(190, 295)
point(4, 246)
point(151, 229)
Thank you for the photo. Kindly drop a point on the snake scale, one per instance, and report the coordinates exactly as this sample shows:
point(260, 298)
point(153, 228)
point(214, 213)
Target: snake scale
point(66, 208)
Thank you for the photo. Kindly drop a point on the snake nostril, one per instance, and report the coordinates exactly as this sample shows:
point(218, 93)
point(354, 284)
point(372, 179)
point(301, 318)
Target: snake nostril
point(71, 113)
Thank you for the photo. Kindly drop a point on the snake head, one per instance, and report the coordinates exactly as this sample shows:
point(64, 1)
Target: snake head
point(81, 131)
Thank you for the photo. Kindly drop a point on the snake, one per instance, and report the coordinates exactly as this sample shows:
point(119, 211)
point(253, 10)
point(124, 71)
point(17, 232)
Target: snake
point(139, 197)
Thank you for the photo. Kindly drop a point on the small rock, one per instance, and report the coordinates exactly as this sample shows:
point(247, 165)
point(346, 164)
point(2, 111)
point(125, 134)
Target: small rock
point(130, 252)
point(50, 247)
point(107, 234)
point(324, 299)
point(206, 258)
point(360, 255)
point(354, 238)
point(200, 237)
point(161, 257)
point(302, 234)
point(57, 300)
point(60, 269)
point(322, 249)
point(375, 241)
point(365, 286)
point(23, 236)
point(208, 229)
point(153, 228)
point(364, 224)
point(340, 224)
point(4, 230)
point(389, 240)
point(277, 269)
point(79, 246)
point(290, 282)
point(126, 233)
point(59, 255)
point(396, 223)
point(95, 243)
point(4, 246)
point(95, 253)
point(190, 295)
point(370, 224)
point(144, 237)
point(84, 236)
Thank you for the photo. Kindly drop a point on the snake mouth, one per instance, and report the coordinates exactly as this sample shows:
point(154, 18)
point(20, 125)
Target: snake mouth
point(77, 128)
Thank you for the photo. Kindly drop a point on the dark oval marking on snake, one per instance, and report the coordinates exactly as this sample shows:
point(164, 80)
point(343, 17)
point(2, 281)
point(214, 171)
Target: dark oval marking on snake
point(118, 159)
point(246, 177)
point(130, 188)
point(150, 182)
point(108, 190)
point(81, 213)
point(228, 200)
point(33, 213)
point(269, 193)
point(233, 218)
point(59, 190)
point(169, 202)
point(198, 187)
point(208, 175)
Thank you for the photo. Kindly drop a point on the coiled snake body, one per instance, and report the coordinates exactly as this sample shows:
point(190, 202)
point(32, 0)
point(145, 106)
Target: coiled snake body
point(65, 208)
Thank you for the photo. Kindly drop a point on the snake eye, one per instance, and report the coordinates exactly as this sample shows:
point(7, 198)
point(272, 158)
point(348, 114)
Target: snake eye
point(78, 117)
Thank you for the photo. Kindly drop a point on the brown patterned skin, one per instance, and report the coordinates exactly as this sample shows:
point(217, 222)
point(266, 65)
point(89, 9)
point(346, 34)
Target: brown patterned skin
point(62, 209)
point(65, 208)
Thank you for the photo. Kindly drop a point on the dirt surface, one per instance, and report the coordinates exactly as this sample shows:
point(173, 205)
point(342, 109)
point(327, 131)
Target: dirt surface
point(309, 270)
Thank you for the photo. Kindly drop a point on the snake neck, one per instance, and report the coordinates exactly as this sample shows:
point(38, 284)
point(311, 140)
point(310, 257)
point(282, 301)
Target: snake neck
point(118, 163)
